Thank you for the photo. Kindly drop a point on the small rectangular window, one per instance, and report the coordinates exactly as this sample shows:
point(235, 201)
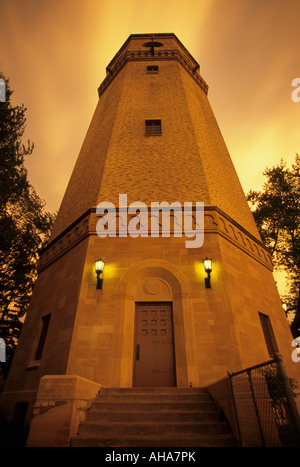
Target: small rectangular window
point(40, 347)
point(152, 69)
point(153, 127)
point(269, 334)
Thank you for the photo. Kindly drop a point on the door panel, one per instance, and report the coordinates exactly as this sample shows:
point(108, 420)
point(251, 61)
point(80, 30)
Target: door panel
point(154, 362)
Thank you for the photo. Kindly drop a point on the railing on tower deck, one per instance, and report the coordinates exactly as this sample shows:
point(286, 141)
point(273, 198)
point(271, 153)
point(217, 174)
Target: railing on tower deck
point(264, 405)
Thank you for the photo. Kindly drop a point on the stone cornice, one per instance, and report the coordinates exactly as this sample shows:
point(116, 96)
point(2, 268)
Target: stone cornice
point(215, 222)
point(166, 54)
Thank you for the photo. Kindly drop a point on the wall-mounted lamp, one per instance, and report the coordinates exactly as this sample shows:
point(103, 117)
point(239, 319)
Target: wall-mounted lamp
point(99, 266)
point(208, 268)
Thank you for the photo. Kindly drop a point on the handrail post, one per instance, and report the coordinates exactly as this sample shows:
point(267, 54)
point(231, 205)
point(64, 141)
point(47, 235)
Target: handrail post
point(289, 393)
point(235, 408)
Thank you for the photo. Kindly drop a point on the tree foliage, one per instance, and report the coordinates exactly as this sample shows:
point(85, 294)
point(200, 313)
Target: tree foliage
point(276, 210)
point(24, 225)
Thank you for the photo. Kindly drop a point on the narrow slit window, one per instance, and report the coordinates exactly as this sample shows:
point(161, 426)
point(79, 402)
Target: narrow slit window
point(268, 334)
point(40, 347)
point(153, 127)
point(152, 69)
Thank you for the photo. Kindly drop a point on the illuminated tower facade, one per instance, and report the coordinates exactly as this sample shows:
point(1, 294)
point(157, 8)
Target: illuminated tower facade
point(151, 319)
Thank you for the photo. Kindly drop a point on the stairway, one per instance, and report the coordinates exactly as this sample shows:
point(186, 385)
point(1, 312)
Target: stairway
point(153, 417)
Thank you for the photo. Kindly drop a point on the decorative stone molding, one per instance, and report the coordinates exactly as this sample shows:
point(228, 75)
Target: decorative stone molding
point(215, 222)
point(218, 221)
point(64, 242)
point(155, 289)
point(152, 286)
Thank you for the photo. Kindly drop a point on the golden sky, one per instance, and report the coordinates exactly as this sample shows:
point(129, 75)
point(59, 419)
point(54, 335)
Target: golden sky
point(55, 53)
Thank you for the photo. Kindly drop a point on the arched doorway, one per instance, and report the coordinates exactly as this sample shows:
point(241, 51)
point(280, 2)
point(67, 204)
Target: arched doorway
point(160, 290)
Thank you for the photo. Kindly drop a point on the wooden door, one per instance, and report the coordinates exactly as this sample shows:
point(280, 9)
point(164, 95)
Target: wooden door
point(154, 359)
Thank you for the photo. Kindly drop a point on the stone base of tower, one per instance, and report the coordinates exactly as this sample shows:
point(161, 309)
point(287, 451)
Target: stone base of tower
point(93, 333)
point(59, 408)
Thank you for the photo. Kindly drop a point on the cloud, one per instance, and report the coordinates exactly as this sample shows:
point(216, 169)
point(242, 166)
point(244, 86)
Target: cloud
point(55, 53)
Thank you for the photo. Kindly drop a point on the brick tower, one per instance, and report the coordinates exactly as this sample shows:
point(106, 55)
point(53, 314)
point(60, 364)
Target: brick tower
point(151, 319)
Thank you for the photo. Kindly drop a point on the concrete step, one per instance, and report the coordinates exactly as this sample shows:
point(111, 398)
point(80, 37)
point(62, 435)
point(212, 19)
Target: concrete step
point(136, 415)
point(154, 390)
point(153, 417)
point(163, 398)
point(203, 440)
point(151, 406)
point(150, 428)
point(151, 399)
